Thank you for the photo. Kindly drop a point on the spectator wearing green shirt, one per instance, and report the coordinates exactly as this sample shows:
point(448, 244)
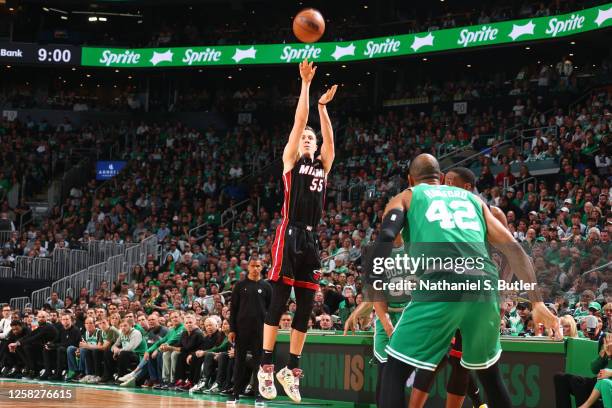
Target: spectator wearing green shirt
point(586, 390)
point(168, 346)
point(582, 309)
point(519, 323)
point(129, 347)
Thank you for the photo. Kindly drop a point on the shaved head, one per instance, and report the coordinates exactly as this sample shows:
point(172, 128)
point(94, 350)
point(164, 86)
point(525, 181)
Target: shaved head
point(424, 167)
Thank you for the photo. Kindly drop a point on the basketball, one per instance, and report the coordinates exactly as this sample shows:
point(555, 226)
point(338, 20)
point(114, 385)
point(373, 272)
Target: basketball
point(308, 25)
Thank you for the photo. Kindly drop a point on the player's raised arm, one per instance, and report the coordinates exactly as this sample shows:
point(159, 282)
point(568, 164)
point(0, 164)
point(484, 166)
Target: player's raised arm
point(290, 154)
point(327, 149)
point(502, 239)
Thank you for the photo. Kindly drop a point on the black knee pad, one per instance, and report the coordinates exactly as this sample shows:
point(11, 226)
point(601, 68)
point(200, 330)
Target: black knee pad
point(423, 379)
point(459, 378)
point(278, 303)
point(301, 317)
point(304, 300)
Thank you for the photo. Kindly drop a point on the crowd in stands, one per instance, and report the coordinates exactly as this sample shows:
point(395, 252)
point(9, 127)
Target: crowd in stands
point(35, 151)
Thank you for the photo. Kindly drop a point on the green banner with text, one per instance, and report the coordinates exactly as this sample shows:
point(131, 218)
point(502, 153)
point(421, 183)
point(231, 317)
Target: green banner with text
point(506, 32)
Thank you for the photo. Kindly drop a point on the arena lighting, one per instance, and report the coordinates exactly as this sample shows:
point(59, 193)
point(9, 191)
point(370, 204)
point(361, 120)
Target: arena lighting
point(424, 59)
point(469, 65)
point(327, 74)
point(571, 55)
point(64, 17)
point(102, 19)
point(94, 18)
point(573, 43)
point(48, 9)
point(107, 14)
point(365, 6)
point(527, 48)
point(343, 66)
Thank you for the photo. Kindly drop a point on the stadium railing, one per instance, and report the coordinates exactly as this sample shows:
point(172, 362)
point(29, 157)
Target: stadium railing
point(523, 184)
point(92, 274)
point(33, 268)
point(7, 272)
point(229, 216)
point(19, 303)
point(40, 297)
point(5, 236)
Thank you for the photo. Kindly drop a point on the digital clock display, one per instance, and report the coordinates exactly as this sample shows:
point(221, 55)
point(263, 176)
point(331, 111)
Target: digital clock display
point(36, 54)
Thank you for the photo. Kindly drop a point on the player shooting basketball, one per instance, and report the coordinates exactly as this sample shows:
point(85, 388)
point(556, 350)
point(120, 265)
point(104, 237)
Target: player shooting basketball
point(295, 252)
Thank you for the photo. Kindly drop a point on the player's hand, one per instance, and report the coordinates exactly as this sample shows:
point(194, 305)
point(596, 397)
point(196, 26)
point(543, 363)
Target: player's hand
point(328, 96)
point(541, 314)
point(231, 337)
point(349, 325)
point(307, 70)
point(603, 374)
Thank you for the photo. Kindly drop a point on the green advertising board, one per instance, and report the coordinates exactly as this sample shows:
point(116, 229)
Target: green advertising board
point(342, 368)
point(506, 32)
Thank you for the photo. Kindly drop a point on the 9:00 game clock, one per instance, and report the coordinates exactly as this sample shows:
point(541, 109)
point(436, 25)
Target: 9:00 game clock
point(36, 54)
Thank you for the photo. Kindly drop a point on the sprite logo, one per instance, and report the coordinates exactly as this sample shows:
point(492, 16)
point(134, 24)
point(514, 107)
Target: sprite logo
point(126, 57)
point(556, 26)
point(291, 54)
point(486, 33)
point(374, 48)
point(206, 55)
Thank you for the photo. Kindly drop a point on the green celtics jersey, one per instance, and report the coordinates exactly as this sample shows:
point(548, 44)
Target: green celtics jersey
point(93, 338)
point(445, 238)
point(111, 335)
point(441, 213)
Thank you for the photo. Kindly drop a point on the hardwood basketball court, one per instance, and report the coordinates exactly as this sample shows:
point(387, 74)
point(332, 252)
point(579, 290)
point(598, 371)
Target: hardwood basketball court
point(108, 396)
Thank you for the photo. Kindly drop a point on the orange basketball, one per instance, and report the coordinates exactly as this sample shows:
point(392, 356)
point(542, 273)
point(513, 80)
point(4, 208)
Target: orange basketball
point(308, 25)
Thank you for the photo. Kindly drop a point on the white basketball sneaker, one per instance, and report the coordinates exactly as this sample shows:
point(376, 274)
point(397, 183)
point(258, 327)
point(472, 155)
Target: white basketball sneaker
point(265, 377)
point(290, 380)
